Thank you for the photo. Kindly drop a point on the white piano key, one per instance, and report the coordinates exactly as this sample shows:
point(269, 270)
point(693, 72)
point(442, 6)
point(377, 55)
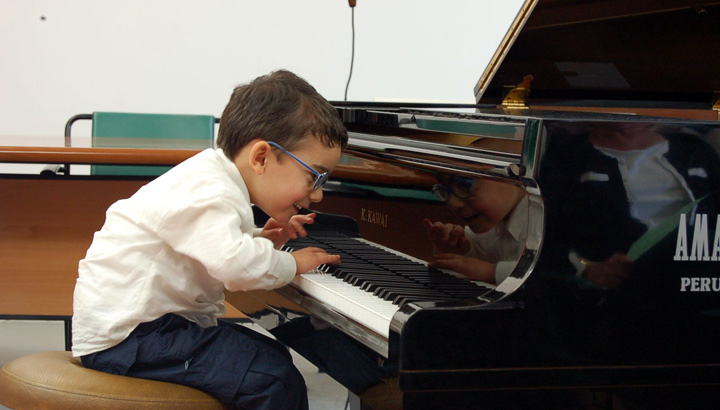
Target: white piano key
point(359, 305)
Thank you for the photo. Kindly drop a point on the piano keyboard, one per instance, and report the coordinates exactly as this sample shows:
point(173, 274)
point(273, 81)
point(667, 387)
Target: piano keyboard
point(372, 282)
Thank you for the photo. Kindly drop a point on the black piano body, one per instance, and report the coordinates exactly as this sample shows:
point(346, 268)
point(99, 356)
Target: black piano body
point(545, 328)
point(609, 292)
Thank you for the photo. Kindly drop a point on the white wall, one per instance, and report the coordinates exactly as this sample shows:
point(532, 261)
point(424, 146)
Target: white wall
point(62, 57)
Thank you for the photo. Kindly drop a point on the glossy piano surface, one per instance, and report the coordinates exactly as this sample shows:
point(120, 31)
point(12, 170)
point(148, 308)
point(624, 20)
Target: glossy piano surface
point(601, 230)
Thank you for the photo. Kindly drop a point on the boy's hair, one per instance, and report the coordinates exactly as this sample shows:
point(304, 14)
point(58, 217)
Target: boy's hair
point(279, 107)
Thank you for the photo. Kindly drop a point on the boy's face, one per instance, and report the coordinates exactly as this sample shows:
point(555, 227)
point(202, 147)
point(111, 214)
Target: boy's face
point(489, 203)
point(287, 185)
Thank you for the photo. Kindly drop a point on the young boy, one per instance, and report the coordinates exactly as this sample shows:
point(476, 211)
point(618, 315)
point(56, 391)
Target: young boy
point(150, 288)
point(490, 244)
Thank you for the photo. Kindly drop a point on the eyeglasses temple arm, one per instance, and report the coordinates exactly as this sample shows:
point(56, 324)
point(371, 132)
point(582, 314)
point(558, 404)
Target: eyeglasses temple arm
point(317, 174)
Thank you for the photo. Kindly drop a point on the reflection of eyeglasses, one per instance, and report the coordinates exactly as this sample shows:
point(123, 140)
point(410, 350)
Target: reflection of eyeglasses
point(459, 186)
point(320, 178)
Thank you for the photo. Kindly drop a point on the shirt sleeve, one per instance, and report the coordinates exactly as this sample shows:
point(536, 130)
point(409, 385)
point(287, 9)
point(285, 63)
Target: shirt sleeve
point(503, 269)
point(476, 250)
point(211, 232)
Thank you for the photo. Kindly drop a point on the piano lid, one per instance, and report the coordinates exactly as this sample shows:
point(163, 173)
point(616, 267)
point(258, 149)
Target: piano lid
point(634, 53)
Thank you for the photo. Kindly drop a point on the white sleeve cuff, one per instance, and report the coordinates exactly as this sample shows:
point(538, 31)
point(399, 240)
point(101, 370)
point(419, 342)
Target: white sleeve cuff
point(284, 268)
point(503, 269)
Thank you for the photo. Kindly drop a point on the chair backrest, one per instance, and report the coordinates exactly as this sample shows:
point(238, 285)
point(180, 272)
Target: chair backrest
point(133, 130)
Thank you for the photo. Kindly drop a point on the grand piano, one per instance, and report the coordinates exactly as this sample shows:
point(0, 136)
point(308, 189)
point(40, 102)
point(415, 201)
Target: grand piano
point(595, 142)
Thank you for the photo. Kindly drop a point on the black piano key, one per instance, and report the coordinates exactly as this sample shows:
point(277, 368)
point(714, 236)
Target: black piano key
point(379, 275)
point(377, 256)
point(324, 268)
point(359, 279)
point(371, 286)
point(384, 277)
point(408, 267)
point(358, 266)
point(365, 273)
point(398, 284)
point(391, 293)
point(402, 300)
point(375, 285)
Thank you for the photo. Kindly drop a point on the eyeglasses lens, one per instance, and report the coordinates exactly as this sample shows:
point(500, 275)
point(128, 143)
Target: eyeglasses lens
point(459, 187)
point(320, 180)
point(462, 187)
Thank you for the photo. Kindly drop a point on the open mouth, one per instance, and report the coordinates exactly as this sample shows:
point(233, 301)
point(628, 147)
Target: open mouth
point(470, 217)
point(298, 207)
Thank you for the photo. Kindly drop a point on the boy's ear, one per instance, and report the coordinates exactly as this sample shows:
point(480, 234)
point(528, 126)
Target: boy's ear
point(258, 156)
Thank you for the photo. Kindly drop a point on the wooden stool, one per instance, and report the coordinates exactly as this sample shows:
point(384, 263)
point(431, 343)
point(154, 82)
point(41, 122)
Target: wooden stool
point(56, 380)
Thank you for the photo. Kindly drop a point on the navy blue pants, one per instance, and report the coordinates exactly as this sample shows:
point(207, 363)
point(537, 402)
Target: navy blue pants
point(237, 365)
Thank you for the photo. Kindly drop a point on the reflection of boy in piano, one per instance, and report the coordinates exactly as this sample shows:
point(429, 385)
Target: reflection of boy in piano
point(488, 247)
point(150, 288)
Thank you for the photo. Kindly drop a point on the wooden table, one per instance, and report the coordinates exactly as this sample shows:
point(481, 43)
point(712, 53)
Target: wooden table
point(47, 222)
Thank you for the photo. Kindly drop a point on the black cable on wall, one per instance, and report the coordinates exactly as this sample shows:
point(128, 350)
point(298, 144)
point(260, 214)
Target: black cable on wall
point(352, 55)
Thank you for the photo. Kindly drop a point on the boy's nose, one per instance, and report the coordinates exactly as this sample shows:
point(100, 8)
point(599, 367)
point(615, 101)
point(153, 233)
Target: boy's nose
point(316, 195)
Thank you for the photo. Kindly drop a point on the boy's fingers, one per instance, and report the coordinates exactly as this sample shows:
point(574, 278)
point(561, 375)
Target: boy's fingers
point(324, 257)
point(427, 224)
point(332, 259)
point(447, 233)
point(273, 233)
point(300, 231)
point(287, 231)
point(453, 238)
point(303, 219)
point(296, 224)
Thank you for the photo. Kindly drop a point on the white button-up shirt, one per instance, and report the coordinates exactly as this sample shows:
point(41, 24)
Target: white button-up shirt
point(504, 243)
point(174, 246)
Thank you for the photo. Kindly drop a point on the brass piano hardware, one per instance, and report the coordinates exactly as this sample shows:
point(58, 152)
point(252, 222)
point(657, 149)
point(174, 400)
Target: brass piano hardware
point(516, 98)
point(716, 103)
point(516, 170)
point(496, 61)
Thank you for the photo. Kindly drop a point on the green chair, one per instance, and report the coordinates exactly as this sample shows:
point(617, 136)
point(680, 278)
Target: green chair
point(133, 130)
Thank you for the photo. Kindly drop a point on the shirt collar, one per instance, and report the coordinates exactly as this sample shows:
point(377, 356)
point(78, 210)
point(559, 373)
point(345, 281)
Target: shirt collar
point(516, 223)
point(233, 172)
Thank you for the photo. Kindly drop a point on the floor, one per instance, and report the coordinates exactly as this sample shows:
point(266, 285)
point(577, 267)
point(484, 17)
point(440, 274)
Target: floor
point(18, 338)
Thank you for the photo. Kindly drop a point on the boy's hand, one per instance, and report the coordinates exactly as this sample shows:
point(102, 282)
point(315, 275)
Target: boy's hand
point(470, 267)
point(280, 233)
point(446, 238)
point(310, 258)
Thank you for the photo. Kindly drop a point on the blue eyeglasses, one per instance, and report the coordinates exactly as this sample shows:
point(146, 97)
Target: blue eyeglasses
point(320, 179)
point(460, 187)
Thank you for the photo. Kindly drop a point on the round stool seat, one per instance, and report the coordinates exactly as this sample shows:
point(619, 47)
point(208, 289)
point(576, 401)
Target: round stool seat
point(56, 380)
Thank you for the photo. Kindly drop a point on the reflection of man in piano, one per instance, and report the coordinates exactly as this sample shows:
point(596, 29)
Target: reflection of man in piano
point(150, 288)
point(604, 188)
point(488, 247)
point(613, 183)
